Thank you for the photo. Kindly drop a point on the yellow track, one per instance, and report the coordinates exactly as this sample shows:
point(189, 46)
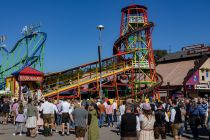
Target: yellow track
point(97, 77)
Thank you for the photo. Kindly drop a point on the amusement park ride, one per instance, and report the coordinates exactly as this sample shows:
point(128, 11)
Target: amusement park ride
point(28, 51)
point(129, 73)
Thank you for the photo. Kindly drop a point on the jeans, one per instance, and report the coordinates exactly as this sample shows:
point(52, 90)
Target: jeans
point(110, 119)
point(101, 119)
point(59, 120)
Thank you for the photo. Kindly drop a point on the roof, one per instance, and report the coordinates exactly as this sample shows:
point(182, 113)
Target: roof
point(186, 54)
point(133, 6)
point(28, 71)
point(175, 72)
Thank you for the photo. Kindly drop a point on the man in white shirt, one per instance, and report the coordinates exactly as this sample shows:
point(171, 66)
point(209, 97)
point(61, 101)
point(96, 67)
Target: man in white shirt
point(47, 110)
point(53, 115)
point(65, 107)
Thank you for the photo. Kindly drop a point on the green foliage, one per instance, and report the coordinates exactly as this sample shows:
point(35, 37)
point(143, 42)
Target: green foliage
point(159, 54)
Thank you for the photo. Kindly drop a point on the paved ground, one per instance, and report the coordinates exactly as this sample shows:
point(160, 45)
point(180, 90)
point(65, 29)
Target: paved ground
point(105, 134)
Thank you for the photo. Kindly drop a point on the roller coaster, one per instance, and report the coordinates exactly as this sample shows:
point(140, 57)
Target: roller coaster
point(28, 51)
point(129, 73)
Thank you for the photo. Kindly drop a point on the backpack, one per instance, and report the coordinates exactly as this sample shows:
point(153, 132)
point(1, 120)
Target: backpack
point(160, 118)
point(178, 115)
point(152, 106)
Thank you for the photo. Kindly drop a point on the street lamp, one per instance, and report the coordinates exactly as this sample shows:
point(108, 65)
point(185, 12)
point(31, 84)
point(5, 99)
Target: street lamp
point(100, 28)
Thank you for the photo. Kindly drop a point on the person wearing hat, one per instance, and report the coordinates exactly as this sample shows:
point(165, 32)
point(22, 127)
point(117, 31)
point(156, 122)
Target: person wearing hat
point(147, 120)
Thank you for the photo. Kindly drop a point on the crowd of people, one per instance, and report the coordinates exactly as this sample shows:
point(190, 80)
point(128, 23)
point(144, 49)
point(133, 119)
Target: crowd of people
point(134, 119)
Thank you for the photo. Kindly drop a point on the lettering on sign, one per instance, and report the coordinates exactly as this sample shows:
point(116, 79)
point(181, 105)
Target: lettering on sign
point(202, 86)
point(30, 78)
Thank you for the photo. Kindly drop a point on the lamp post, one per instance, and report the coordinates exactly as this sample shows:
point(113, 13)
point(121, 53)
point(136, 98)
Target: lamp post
point(100, 28)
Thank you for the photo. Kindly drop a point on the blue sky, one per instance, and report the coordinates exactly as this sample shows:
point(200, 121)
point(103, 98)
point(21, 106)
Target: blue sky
point(71, 26)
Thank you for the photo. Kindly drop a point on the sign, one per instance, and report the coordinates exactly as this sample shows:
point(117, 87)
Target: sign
point(30, 78)
point(202, 86)
point(136, 19)
point(142, 64)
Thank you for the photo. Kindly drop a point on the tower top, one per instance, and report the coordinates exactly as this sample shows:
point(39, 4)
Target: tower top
point(133, 6)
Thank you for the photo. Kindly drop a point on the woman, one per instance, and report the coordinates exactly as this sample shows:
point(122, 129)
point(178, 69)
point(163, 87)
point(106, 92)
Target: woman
point(20, 119)
point(109, 112)
point(147, 120)
point(32, 115)
point(93, 129)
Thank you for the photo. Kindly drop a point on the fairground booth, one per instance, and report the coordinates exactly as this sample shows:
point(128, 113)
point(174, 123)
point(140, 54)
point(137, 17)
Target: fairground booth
point(26, 82)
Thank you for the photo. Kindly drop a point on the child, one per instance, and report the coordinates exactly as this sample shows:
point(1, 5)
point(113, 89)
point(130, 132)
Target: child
point(20, 119)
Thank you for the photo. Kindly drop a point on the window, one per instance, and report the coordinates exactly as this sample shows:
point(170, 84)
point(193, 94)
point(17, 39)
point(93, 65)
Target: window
point(203, 78)
point(207, 74)
point(195, 78)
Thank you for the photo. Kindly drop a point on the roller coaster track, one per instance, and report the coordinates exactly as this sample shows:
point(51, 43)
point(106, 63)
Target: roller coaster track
point(147, 90)
point(26, 60)
point(87, 77)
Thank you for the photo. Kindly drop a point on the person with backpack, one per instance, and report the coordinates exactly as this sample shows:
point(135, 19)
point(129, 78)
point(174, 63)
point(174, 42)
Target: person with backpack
point(160, 122)
point(175, 120)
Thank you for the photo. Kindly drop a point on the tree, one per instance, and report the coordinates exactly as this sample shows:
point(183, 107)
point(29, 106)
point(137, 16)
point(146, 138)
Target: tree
point(159, 54)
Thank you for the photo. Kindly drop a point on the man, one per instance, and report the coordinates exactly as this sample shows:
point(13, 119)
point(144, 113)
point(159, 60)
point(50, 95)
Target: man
point(59, 114)
point(47, 109)
point(80, 118)
point(175, 120)
point(53, 117)
point(160, 122)
point(102, 113)
point(65, 116)
point(128, 125)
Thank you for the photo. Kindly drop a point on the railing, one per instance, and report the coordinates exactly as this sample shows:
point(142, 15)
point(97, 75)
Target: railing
point(84, 75)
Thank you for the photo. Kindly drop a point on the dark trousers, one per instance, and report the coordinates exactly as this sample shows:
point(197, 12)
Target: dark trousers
point(115, 115)
point(194, 122)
